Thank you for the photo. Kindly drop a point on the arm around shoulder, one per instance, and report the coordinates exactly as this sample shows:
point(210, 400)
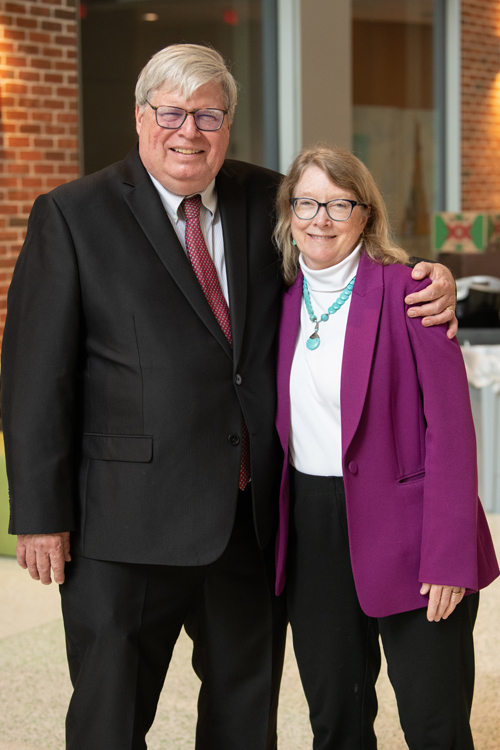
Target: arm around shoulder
point(436, 303)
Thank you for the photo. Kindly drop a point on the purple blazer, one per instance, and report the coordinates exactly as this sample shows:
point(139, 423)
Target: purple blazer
point(408, 448)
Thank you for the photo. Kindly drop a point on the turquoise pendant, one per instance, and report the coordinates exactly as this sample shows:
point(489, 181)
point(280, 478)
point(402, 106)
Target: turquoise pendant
point(313, 341)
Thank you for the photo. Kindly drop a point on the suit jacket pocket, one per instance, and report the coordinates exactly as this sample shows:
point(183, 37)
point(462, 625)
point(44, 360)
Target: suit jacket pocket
point(410, 478)
point(272, 271)
point(117, 447)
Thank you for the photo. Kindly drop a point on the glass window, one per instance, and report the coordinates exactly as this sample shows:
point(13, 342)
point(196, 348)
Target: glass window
point(118, 37)
point(396, 123)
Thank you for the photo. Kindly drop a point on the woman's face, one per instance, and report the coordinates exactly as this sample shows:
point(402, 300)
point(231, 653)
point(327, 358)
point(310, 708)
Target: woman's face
point(322, 241)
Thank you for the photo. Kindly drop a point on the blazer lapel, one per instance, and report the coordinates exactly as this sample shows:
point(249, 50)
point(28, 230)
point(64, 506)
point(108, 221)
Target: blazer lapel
point(146, 205)
point(360, 339)
point(231, 198)
point(287, 339)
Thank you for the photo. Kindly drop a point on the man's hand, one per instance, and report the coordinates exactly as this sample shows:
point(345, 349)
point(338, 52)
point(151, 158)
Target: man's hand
point(442, 600)
point(440, 295)
point(41, 552)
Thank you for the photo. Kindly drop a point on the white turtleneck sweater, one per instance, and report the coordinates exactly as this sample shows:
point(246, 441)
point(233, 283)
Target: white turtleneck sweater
point(315, 428)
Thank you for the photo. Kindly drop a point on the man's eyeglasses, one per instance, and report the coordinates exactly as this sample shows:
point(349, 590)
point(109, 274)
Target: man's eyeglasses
point(338, 210)
point(173, 118)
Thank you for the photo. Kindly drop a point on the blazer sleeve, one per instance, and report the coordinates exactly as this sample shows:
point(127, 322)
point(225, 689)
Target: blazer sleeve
point(450, 508)
point(39, 375)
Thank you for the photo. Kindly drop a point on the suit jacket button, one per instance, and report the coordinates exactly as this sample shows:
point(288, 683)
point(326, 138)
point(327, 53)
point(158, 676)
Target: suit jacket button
point(238, 379)
point(353, 467)
point(234, 439)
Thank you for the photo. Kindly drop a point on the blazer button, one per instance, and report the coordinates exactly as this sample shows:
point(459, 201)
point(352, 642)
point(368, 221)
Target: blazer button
point(238, 379)
point(353, 467)
point(234, 439)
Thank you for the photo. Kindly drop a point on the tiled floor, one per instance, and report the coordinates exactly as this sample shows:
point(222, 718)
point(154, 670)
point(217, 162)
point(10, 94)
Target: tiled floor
point(35, 688)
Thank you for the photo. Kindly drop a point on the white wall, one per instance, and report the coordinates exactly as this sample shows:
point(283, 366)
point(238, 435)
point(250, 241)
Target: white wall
point(315, 74)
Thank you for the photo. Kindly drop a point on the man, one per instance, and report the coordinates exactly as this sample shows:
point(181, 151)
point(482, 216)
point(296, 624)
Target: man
point(131, 400)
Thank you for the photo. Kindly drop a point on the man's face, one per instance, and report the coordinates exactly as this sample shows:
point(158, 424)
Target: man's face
point(186, 160)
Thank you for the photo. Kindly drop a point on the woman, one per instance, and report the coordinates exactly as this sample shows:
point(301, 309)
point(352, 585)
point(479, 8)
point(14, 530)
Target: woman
point(378, 503)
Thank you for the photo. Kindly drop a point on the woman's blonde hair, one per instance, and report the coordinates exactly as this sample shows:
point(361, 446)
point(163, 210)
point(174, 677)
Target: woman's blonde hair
point(348, 172)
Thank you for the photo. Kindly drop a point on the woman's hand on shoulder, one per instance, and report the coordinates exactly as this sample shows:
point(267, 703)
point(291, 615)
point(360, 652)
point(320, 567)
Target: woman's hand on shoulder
point(439, 297)
point(442, 600)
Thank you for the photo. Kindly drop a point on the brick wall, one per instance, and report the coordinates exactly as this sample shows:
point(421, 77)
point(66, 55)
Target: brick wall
point(38, 115)
point(481, 104)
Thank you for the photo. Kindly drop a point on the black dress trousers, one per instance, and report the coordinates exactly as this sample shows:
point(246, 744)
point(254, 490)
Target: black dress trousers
point(122, 621)
point(430, 665)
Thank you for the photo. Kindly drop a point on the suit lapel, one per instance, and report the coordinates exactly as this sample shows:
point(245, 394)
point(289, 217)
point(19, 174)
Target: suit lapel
point(359, 347)
point(146, 205)
point(231, 198)
point(289, 328)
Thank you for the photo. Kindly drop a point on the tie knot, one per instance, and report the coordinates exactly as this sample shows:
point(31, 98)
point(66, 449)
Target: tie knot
point(192, 206)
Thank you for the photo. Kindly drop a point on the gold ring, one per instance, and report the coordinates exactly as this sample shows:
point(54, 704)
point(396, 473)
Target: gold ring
point(451, 307)
point(457, 593)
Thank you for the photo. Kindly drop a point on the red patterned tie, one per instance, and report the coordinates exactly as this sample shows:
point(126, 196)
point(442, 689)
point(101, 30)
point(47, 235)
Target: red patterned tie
point(209, 281)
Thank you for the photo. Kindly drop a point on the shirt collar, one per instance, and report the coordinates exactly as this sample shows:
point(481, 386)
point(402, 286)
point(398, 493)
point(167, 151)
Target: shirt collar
point(334, 278)
point(171, 201)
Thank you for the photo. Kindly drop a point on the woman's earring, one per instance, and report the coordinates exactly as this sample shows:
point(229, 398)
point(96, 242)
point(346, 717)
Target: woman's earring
point(294, 243)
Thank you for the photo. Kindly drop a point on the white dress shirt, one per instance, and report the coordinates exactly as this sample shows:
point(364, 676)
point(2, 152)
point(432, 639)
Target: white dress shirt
point(315, 427)
point(210, 222)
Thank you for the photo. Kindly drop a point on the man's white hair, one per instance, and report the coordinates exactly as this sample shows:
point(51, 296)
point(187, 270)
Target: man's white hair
point(184, 68)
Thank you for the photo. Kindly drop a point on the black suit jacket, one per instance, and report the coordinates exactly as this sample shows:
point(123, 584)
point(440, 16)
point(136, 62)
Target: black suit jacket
point(121, 395)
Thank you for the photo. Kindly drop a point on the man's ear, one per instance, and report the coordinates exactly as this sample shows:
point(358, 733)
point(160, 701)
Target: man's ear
point(139, 114)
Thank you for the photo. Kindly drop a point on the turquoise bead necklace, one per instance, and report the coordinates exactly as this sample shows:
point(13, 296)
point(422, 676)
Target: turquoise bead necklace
point(314, 340)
